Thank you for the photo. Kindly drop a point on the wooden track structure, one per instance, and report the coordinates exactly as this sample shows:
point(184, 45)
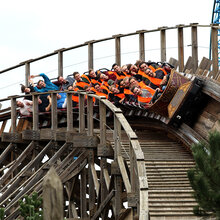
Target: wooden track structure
point(113, 164)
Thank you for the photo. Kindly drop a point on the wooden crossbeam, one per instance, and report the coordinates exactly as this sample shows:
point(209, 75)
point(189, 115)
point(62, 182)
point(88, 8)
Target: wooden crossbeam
point(103, 204)
point(18, 161)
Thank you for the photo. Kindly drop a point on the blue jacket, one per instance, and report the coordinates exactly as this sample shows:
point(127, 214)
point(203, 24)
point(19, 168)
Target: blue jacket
point(49, 85)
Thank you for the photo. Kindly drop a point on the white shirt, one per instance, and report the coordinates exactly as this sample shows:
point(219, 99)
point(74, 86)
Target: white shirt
point(27, 108)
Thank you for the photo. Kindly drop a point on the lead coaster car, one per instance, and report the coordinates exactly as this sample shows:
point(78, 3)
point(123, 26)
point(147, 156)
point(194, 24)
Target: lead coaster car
point(180, 100)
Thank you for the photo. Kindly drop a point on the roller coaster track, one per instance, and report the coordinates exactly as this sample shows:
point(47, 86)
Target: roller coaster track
point(114, 163)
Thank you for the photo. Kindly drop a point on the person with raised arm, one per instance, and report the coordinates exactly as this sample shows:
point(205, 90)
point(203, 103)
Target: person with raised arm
point(43, 85)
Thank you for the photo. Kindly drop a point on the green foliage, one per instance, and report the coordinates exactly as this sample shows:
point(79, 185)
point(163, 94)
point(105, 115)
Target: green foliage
point(31, 207)
point(2, 213)
point(205, 177)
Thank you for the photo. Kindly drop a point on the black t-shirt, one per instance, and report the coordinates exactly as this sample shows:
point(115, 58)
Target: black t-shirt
point(44, 104)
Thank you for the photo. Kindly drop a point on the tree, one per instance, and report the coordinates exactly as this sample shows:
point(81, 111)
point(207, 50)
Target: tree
point(205, 177)
point(31, 207)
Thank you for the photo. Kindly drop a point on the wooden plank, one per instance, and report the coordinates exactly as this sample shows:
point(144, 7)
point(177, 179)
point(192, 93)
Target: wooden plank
point(102, 125)
point(54, 112)
point(189, 65)
point(141, 47)
point(3, 126)
point(19, 160)
point(13, 114)
point(118, 195)
point(5, 153)
point(118, 50)
point(75, 172)
point(90, 116)
point(27, 73)
point(204, 66)
point(69, 112)
point(180, 48)
point(124, 174)
point(106, 177)
point(13, 183)
point(81, 113)
point(83, 205)
point(194, 47)
point(117, 137)
point(90, 55)
point(103, 204)
point(35, 112)
point(163, 45)
point(92, 196)
point(95, 178)
point(215, 57)
point(60, 63)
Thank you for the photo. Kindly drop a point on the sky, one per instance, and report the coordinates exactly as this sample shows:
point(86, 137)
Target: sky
point(30, 29)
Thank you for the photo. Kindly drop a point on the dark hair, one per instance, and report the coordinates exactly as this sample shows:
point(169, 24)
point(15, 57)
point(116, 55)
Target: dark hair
point(74, 73)
point(129, 66)
point(39, 81)
point(142, 63)
point(90, 70)
point(119, 81)
point(138, 63)
point(114, 65)
point(98, 76)
point(22, 87)
point(96, 85)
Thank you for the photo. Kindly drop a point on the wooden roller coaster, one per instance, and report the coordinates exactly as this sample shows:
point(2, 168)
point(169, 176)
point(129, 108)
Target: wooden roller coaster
point(122, 162)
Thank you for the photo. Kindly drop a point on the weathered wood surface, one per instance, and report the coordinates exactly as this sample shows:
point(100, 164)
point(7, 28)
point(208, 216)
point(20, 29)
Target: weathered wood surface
point(208, 119)
point(52, 196)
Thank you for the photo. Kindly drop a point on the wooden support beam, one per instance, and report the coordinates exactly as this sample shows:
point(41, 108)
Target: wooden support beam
point(194, 40)
point(7, 150)
point(95, 178)
point(35, 112)
point(3, 126)
point(92, 197)
point(124, 174)
point(54, 111)
point(81, 113)
point(90, 55)
point(27, 73)
point(102, 115)
point(83, 204)
point(78, 139)
point(13, 114)
point(215, 58)
point(14, 183)
point(90, 115)
point(60, 63)
point(117, 137)
point(118, 50)
point(141, 47)
point(180, 48)
point(69, 112)
point(118, 195)
point(104, 190)
point(103, 204)
point(163, 45)
point(19, 160)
